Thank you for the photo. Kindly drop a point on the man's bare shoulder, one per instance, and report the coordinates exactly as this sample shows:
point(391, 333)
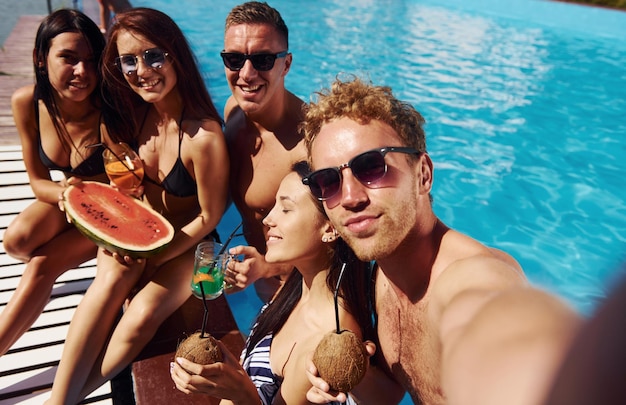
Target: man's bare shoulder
point(237, 131)
point(463, 254)
point(296, 105)
point(465, 266)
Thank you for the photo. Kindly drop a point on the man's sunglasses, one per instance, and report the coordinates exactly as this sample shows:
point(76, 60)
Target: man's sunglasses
point(367, 167)
point(261, 61)
point(154, 59)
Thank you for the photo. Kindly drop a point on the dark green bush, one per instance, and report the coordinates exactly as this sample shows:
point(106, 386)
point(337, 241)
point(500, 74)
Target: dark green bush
point(606, 3)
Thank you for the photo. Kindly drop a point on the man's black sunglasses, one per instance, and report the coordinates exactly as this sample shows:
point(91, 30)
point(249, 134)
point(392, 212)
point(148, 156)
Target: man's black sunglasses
point(261, 61)
point(367, 167)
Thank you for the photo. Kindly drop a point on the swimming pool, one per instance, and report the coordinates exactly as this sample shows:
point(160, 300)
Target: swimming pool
point(524, 102)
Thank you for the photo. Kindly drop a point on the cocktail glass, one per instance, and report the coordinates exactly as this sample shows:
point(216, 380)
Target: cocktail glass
point(207, 282)
point(123, 166)
point(210, 262)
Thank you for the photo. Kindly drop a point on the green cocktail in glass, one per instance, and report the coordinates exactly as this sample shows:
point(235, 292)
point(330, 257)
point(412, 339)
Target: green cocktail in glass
point(208, 271)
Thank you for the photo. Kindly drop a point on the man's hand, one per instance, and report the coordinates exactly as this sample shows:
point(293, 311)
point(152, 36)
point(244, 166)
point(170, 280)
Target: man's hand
point(249, 266)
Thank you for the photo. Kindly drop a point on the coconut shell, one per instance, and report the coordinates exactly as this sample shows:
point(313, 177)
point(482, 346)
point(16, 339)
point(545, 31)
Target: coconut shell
point(200, 350)
point(341, 359)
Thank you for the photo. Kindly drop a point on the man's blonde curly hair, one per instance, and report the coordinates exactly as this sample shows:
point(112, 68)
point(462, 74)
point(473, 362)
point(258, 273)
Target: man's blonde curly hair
point(362, 102)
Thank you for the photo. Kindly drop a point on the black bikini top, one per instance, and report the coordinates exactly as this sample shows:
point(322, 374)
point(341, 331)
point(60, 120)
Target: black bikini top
point(178, 181)
point(93, 165)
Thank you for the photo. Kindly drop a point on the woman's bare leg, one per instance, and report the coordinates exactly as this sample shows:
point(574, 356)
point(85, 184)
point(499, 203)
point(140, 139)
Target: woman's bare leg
point(45, 266)
point(153, 304)
point(34, 227)
point(91, 325)
point(34, 289)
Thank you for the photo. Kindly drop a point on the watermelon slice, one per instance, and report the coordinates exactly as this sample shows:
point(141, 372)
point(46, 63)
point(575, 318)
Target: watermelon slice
point(115, 221)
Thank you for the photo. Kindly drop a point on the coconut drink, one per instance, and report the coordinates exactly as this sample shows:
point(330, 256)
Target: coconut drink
point(200, 349)
point(341, 360)
point(340, 357)
point(209, 265)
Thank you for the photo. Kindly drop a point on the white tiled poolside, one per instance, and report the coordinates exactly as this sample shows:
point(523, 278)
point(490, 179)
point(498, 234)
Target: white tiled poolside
point(27, 370)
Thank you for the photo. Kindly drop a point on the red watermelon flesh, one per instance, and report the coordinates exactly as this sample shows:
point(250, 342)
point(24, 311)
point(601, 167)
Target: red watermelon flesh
point(115, 221)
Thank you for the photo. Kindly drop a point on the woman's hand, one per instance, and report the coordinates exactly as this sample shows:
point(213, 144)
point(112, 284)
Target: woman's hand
point(65, 183)
point(227, 379)
point(126, 260)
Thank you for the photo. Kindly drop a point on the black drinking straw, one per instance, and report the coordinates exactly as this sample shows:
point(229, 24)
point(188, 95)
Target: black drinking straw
point(95, 145)
point(205, 316)
point(343, 267)
point(230, 237)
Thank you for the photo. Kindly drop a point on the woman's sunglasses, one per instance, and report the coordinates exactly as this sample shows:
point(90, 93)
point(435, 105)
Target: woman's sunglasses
point(261, 61)
point(154, 59)
point(367, 167)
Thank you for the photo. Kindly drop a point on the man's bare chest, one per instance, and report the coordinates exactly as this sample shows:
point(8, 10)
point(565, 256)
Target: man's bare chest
point(409, 345)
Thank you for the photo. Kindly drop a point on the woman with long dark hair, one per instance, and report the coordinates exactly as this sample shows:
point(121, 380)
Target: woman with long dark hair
point(58, 119)
point(290, 327)
point(158, 103)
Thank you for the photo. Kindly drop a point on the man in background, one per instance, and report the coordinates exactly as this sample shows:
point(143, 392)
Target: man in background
point(262, 119)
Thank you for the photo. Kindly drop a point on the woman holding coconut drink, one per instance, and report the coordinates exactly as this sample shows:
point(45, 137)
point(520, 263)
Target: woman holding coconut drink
point(292, 325)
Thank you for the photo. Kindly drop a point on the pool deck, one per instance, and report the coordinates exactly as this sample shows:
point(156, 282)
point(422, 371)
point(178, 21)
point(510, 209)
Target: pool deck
point(16, 70)
point(27, 370)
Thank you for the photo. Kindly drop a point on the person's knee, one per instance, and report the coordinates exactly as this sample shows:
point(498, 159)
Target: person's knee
point(116, 279)
point(142, 320)
point(39, 275)
point(15, 243)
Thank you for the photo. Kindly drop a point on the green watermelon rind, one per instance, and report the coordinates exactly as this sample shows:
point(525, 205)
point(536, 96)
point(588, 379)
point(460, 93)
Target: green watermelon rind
point(111, 246)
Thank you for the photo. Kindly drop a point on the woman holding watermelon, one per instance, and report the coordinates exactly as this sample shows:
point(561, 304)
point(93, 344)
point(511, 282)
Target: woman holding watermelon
point(157, 95)
point(57, 120)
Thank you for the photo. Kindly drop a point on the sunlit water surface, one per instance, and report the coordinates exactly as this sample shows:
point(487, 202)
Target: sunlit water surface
point(524, 103)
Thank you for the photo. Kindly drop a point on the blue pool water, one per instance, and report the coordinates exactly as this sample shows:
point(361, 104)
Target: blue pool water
point(525, 105)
